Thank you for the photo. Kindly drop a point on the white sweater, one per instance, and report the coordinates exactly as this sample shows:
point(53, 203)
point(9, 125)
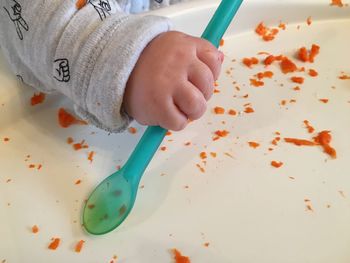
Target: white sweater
point(86, 54)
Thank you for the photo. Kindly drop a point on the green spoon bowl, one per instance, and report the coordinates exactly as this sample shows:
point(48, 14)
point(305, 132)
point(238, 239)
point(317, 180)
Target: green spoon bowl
point(112, 200)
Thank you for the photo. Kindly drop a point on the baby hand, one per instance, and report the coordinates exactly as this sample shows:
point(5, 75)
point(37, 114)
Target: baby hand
point(172, 81)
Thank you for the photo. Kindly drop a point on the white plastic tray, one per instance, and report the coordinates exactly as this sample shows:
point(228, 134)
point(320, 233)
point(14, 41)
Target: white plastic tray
point(247, 210)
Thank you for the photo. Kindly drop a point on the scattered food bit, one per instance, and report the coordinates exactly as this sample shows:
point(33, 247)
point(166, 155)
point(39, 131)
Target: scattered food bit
point(324, 138)
point(309, 21)
point(267, 34)
point(308, 205)
point(249, 62)
point(70, 140)
point(37, 98)
point(344, 77)
point(219, 110)
point(213, 154)
point(313, 73)
point(168, 133)
point(220, 134)
point(54, 244)
point(288, 66)
point(77, 182)
point(299, 80)
point(265, 74)
point(276, 164)
point(132, 130)
point(179, 258)
point(80, 4)
point(66, 119)
point(306, 56)
point(282, 26)
point(206, 244)
point(324, 100)
point(299, 142)
point(256, 83)
point(203, 155)
point(271, 58)
point(337, 3)
point(222, 42)
point(249, 110)
point(296, 88)
point(81, 145)
point(163, 148)
point(79, 246)
point(200, 168)
point(6, 139)
point(232, 112)
point(35, 229)
point(254, 144)
point(310, 129)
point(91, 156)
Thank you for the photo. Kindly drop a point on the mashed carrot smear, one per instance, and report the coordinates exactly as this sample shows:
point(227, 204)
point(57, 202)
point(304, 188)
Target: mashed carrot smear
point(179, 258)
point(299, 142)
point(299, 80)
point(37, 98)
point(338, 3)
point(249, 62)
point(66, 119)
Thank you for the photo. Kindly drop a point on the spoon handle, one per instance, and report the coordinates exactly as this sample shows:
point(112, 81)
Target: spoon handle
point(154, 135)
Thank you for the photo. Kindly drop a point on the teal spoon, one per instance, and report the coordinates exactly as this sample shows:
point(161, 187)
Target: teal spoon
point(112, 200)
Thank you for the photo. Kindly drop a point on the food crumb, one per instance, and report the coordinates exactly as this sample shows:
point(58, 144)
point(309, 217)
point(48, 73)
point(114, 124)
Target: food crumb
point(337, 3)
point(65, 119)
point(324, 100)
point(35, 229)
point(79, 246)
point(254, 144)
point(206, 244)
point(80, 4)
point(309, 21)
point(54, 244)
point(179, 258)
point(6, 139)
point(91, 156)
point(308, 205)
point(249, 62)
point(219, 110)
point(276, 164)
point(299, 80)
point(37, 98)
point(77, 181)
point(132, 130)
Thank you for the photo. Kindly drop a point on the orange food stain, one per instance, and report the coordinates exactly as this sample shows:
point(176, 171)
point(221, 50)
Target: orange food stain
point(276, 164)
point(132, 130)
point(80, 4)
point(206, 244)
point(203, 155)
point(78, 182)
point(324, 138)
point(66, 119)
point(70, 140)
point(168, 133)
point(221, 133)
point(324, 100)
point(31, 166)
point(297, 88)
point(37, 98)
point(213, 154)
point(283, 102)
point(344, 77)
point(282, 26)
point(313, 73)
point(299, 142)
point(35, 229)
point(287, 66)
point(222, 42)
point(81, 145)
point(200, 168)
point(249, 110)
point(219, 110)
point(338, 3)
point(6, 139)
point(254, 144)
point(315, 50)
point(267, 34)
point(299, 80)
point(310, 129)
point(163, 148)
point(256, 83)
point(179, 258)
point(55, 243)
point(249, 62)
point(91, 156)
point(309, 21)
point(232, 112)
point(79, 246)
point(266, 74)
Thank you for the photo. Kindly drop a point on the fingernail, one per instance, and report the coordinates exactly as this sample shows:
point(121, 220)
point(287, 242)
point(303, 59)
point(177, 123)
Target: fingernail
point(221, 56)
